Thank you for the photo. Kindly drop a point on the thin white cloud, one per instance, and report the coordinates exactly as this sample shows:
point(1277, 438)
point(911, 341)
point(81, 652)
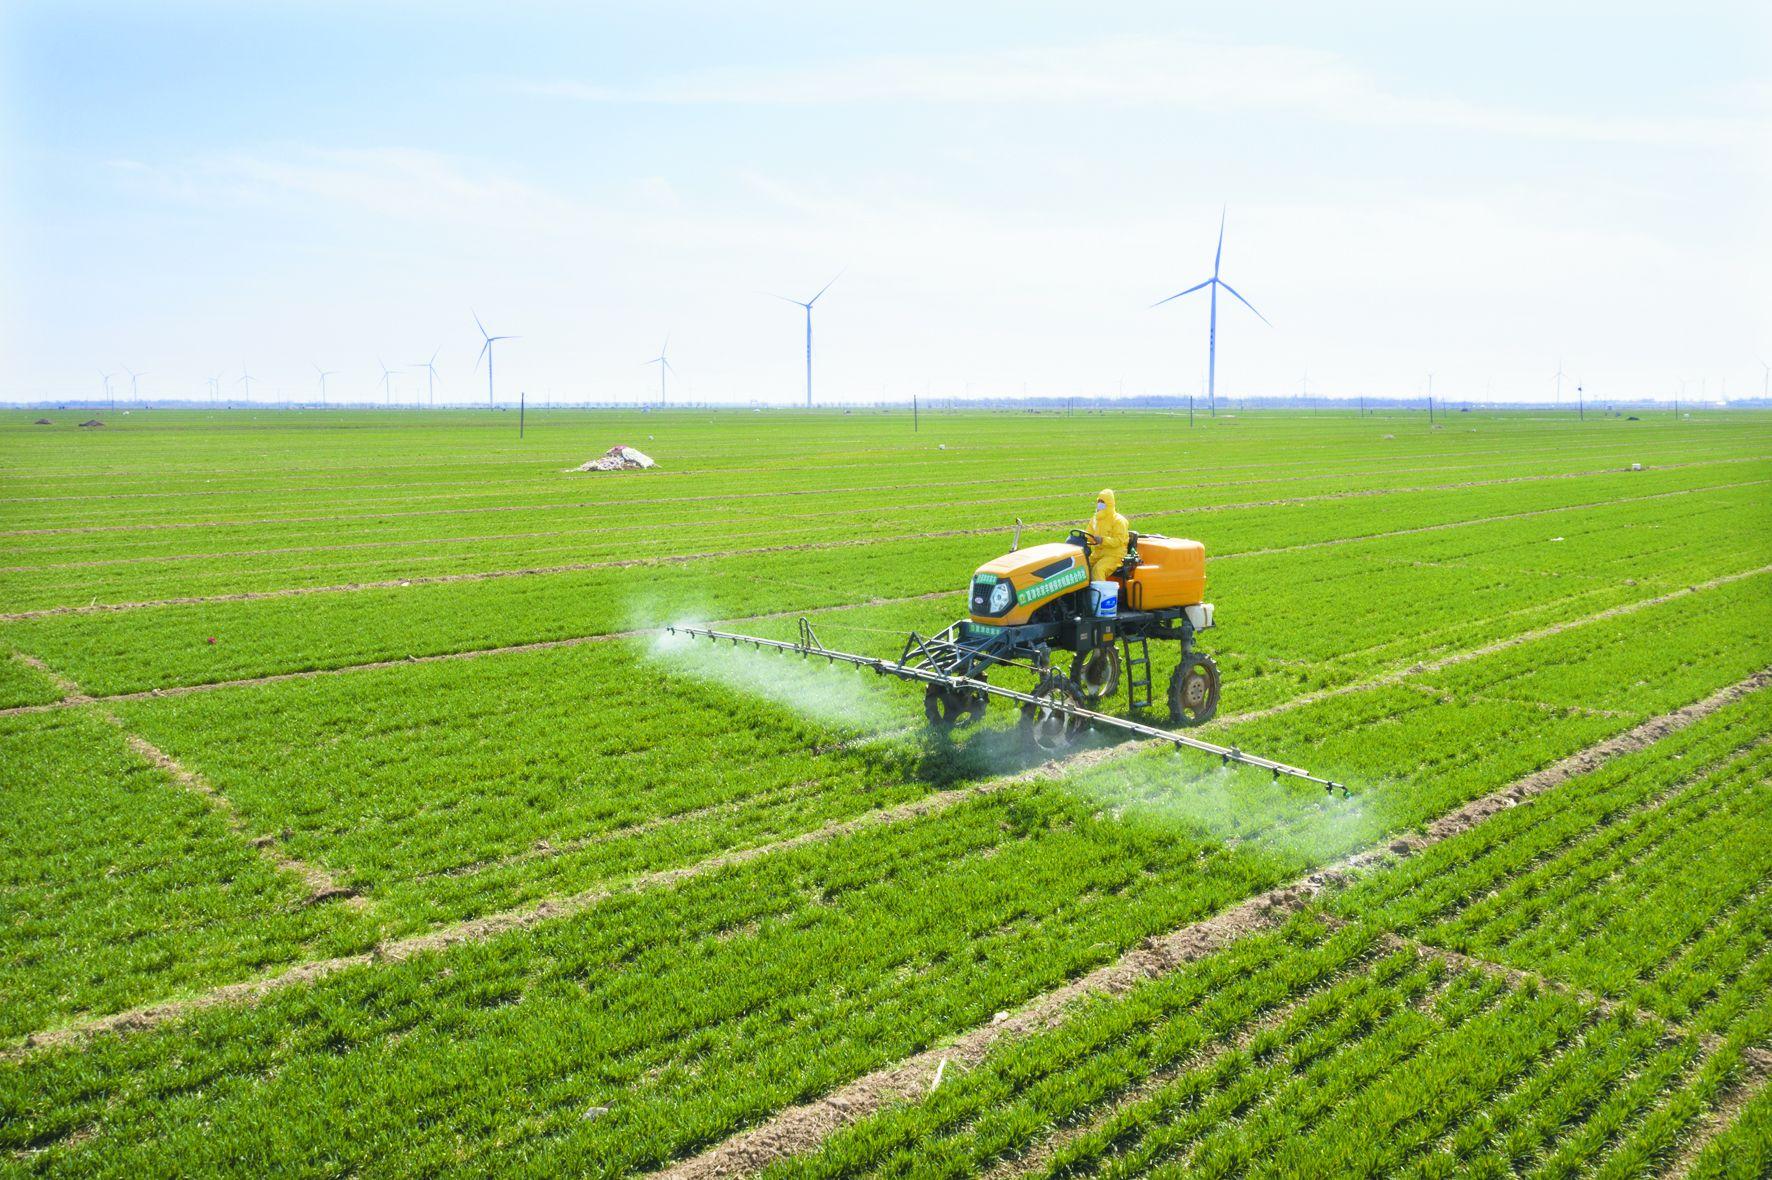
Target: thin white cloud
point(1194, 74)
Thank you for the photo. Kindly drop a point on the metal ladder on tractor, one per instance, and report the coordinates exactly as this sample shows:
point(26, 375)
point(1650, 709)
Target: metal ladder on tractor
point(1138, 672)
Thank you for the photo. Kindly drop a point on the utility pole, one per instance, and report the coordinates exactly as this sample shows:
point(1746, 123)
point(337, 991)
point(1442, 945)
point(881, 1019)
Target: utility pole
point(914, 426)
point(1190, 411)
point(522, 398)
point(1580, 406)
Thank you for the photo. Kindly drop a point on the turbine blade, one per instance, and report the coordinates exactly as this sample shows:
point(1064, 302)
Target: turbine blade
point(435, 355)
point(784, 299)
point(482, 355)
point(1219, 253)
point(827, 286)
point(1179, 294)
point(478, 324)
point(1244, 302)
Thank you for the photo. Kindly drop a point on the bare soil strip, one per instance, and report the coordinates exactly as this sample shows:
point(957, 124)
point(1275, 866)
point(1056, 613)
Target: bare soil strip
point(820, 546)
point(802, 1128)
point(1756, 1068)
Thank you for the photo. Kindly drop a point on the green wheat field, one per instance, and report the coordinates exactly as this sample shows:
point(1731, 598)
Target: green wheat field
point(358, 818)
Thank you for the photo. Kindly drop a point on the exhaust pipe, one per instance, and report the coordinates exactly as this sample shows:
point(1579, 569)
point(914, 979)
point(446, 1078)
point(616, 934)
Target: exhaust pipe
point(1016, 544)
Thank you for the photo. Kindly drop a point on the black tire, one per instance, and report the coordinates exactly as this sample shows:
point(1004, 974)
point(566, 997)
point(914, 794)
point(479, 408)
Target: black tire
point(947, 707)
point(1051, 731)
point(1096, 673)
point(1193, 691)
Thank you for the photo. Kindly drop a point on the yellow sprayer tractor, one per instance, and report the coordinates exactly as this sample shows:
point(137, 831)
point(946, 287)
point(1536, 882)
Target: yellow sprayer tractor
point(1031, 603)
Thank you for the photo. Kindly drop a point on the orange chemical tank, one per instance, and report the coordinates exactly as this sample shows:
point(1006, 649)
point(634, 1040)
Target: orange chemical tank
point(1170, 572)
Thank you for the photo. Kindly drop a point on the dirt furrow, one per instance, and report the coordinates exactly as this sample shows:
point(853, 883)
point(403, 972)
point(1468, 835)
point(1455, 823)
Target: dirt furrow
point(1756, 1067)
point(802, 1128)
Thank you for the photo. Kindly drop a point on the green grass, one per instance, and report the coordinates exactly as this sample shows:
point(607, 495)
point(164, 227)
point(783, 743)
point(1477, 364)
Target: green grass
point(1366, 559)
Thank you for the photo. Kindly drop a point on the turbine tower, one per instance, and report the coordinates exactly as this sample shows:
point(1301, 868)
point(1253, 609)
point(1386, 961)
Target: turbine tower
point(134, 386)
point(215, 389)
point(808, 306)
point(486, 351)
point(109, 396)
point(324, 374)
point(387, 380)
point(664, 366)
point(246, 380)
point(1212, 324)
point(1560, 376)
point(430, 370)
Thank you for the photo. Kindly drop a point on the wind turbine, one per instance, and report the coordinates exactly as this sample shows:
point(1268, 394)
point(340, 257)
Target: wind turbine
point(1765, 379)
point(430, 368)
point(246, 380)
point(134, 387)
point(109, 396)
point(215, 388)
point(664, 366)
point(486, 351)
point(324, 374)
point(1560, 376)
point(808, 306)
point(1212, 325)
point(387, 380)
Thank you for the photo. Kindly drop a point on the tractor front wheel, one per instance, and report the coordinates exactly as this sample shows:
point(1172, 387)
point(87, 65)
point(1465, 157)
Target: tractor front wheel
point(1097, 672)
point(1053, 730)
point(948, 707)
point(1193, 691)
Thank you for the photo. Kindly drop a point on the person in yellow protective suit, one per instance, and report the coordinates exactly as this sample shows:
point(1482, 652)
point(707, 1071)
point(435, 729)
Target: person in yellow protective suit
point(1108, 534)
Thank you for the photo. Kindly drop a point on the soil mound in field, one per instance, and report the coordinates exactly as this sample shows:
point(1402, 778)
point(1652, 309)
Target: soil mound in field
point(43, 422)
point(620, 458)
point(91, 422)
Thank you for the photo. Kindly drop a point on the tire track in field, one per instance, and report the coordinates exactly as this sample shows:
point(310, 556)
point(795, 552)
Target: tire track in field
point(859, 542)
point(319, 884)
point(804, 1127)
point(552, 506)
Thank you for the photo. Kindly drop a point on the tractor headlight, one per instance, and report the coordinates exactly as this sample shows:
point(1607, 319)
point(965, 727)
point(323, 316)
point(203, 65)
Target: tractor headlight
point(1001, 596)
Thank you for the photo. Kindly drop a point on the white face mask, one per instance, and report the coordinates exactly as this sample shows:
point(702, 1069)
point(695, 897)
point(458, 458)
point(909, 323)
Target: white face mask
point(1101, 505)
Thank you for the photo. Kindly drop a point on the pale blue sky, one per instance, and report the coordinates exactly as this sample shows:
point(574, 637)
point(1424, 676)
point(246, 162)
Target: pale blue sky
point(1472, 191)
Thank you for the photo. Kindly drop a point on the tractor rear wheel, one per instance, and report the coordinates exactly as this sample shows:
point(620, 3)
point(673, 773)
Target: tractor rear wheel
point(1193, 690)
point(948, 707)
point(1050, 730)
point(1096, 673)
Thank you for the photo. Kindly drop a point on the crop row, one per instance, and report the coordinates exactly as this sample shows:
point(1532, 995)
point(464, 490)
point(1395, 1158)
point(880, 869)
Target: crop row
point(315, 556)
point(449, 790)
point(1393, 1069)
point(407, 462)
point(112, 876)
point(689, 1010)
point(1647, 885)
point(1274, 604)
point(1555, 1086)
point(710, 497)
